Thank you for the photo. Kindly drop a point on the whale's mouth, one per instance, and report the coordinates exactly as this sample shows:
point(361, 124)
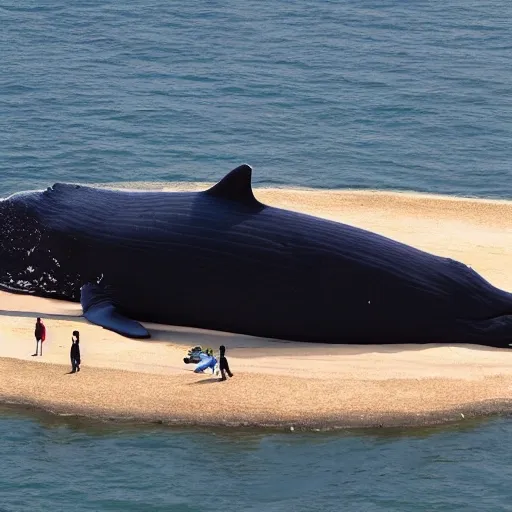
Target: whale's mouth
point(492, 332)
point(504, 308)
point(28, 265)
point(38, 292)
point(31, 257)
point(16, 289)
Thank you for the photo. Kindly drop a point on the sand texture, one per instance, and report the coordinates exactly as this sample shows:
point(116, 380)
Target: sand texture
point(279, 382)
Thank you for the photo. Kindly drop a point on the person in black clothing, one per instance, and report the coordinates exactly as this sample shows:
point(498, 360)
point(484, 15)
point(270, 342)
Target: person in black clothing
point(223, 363)
point(75, 352)
point(40, 335)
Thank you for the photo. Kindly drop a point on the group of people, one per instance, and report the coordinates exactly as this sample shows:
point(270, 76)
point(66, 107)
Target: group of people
point(204, 359)
point(40, 335)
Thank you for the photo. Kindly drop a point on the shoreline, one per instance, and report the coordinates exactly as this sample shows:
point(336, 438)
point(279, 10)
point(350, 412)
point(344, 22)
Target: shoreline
point(198, 186)
point(278, 384)
point(216, 412)
point(386, 422)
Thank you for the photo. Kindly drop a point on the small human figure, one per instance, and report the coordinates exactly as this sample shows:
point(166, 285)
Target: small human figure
point(223, 363)
point(75, 352)
point(207, 360)
point(40, 335)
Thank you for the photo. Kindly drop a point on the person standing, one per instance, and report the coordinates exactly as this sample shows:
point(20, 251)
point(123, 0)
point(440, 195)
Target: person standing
point(75, 352)
point(40, 335)
point(223, 363)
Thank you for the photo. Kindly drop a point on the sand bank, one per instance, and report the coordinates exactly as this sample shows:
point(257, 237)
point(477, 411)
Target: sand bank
point(277, 382)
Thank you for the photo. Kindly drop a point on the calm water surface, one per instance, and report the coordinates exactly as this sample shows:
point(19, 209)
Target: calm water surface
point(403, 95)
point(53, 464)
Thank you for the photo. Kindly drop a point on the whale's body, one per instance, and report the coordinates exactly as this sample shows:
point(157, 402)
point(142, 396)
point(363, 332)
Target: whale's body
point(220, 260)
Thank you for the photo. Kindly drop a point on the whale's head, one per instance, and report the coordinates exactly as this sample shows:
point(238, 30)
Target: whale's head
point(30, 253)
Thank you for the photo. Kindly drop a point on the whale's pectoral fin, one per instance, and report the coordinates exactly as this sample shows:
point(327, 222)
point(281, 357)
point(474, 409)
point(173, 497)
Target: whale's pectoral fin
point(108, 317)
point(99, 309)
point(236, 186)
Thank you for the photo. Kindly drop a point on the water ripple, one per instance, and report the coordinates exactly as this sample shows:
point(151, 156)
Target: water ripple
point(325, 94)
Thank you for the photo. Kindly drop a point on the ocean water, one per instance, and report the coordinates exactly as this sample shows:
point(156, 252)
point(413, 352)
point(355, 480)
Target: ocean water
point(364, 94)
point(59, 465)
point(326, 94)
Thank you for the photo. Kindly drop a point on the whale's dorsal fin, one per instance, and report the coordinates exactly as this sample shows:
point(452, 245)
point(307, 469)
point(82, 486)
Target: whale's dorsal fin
point(236, 186)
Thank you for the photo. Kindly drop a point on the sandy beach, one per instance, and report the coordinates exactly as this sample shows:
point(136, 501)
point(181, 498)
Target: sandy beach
point(279, 383)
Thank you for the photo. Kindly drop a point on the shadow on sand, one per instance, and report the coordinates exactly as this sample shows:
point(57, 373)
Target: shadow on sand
point(35, 314)
point(240, 345)
point(211, 380)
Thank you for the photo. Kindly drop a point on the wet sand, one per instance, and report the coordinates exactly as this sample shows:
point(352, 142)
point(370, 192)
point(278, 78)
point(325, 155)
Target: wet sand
point(277, 382)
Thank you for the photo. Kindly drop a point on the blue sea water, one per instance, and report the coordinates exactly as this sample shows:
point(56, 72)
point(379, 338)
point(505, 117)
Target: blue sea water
point(390, 94)
point(60, 465)
point(327, 94)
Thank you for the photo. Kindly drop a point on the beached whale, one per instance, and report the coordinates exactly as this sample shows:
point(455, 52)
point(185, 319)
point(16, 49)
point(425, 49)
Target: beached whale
point(221, 260)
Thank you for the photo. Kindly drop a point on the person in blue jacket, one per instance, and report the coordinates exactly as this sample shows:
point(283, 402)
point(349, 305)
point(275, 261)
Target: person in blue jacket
point(207, 361)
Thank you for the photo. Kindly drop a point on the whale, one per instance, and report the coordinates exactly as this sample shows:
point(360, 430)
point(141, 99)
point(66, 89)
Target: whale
point(219, 259)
